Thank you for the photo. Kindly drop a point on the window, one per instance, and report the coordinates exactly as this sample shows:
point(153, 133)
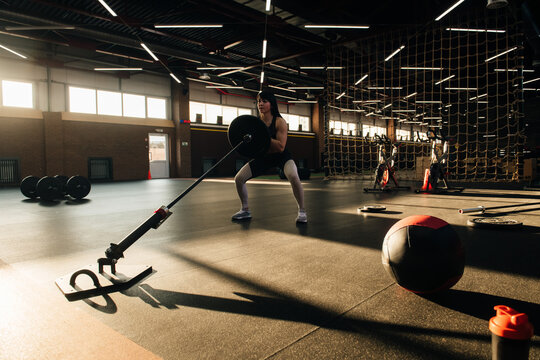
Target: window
point(351, 128)
point(157, 108)
point(109, 103)
point(134, 105)
point(214, 114)
point(229, 114)
point(82, 100)
point(16, 93)
point(371, 130)
point(420, 136)
point(293, 122)
point(196, 109)
point(114, 103)
point(403, 135)
point(303, 122)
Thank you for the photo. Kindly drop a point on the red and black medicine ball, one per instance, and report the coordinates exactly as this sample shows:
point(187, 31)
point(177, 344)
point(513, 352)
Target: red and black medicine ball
point(423, 254)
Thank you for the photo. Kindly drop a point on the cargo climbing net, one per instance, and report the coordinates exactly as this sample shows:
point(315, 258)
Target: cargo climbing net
point(464, 76)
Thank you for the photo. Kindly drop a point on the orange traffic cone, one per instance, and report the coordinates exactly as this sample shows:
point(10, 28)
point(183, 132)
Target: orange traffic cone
point(149, 175)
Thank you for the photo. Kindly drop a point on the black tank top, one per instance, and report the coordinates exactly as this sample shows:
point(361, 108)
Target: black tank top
point(272, 128)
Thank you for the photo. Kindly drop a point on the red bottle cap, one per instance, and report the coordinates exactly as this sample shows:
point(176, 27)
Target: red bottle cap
point(509, 323)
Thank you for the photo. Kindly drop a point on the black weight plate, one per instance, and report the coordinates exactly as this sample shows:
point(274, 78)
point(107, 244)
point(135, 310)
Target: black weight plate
point(78, 187)
point(372, 208)
point(28, 186)
point(47, 189)
point(62, 182)
point(252, 125)
point(494, 222)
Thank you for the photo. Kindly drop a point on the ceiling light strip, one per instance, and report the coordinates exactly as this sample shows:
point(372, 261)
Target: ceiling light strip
point(306, 87)
point(150, 52)
point(175, 78)
point(411, 95)
point(265, 43)
point(448, 10)
point(477, 30)
point(219, 68)
point(111, 11)
point(312, 26)
point(445, 79)
point(118, 69)
point(394, 53)
point(281, 88)
point(187, 26)
point(528, 81)
point(12, 51)
point(501, 54)
point(361, 79)
point(420, 68)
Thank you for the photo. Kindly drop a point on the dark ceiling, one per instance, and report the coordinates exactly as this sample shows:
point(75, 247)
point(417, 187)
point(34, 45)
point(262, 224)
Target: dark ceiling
point(98, 39)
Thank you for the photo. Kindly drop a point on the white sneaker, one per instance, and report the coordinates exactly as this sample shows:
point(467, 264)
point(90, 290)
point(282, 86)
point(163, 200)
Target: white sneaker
point(302, 217)
point(242, 215)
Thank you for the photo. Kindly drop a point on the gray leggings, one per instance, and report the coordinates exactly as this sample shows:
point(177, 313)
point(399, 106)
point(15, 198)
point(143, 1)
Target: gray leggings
point(290, 171)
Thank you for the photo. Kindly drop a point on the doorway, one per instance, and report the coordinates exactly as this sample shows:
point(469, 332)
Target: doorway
point(158, 154)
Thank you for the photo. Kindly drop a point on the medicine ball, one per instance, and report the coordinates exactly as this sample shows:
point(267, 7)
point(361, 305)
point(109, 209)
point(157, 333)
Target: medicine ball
point(423, 254)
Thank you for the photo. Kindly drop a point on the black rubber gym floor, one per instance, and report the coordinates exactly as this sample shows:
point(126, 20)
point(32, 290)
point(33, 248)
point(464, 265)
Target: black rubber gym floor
point(263, 289)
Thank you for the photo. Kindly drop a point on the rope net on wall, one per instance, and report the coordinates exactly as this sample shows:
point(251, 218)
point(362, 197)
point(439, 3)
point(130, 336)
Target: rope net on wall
point(463, 76)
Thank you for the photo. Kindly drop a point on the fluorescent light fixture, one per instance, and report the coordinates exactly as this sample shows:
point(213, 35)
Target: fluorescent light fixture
point(477, 97)
point(528, 81)
point(321, 67)
point(410, 95)
point(482, 102)
point(223, 87)
point(129, 57)
point(264, 48)
point(530, 89)
point(281, 88)
point(268, 3)
point(111, 11)
point(361, 79)
point(420, 68)
point(283, 96)
point(306, 87)
point(384, 87)
point(386, 106)
point(445, 79)
point(489, 136)
point(188, 26)
point(461, 89)
point(524, 70)
point(403, 110)
point(449, 9)
point(429, 102)
point(302, 101)
point(233, 44)
point(150, 52)
point(12, 51)
point(220, 68)
point(117, 69)
point(340, 95)
point(501, 54)
point(336, 26)
point(477, 30)
point(262, 77)
point(432, 118)
point(46, 27)
point(352, 110)
point(366, 101)
point(175, 78)
point(394, 53)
